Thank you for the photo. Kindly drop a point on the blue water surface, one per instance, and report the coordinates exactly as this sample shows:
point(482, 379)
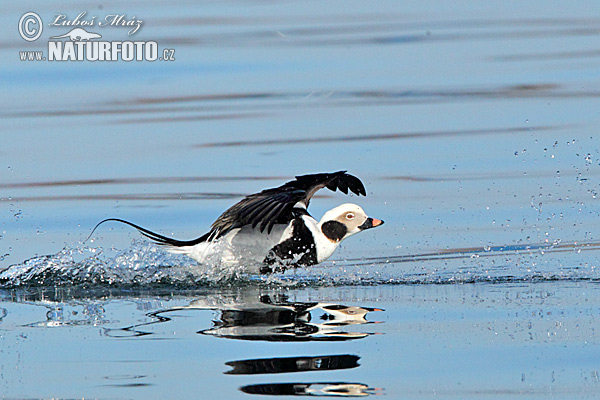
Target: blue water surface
point(472, 124)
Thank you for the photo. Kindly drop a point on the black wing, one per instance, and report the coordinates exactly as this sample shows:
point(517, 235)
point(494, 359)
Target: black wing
point(272, 206)
point(267, 208)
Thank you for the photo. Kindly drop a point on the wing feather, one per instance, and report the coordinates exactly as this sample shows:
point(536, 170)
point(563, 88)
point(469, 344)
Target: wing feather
point(269, 219)
point(272, 206)
point(264, 209)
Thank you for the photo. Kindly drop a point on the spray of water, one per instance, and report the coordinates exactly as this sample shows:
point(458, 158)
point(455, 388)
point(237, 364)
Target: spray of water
point(145, 265)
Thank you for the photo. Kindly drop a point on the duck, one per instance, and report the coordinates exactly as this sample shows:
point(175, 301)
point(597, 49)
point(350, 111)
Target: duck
point(273, 229)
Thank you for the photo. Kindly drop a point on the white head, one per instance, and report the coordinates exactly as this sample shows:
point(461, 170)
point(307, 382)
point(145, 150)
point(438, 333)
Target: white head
point(344, 221)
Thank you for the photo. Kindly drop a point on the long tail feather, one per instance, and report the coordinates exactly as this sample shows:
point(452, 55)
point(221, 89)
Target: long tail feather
point(158, 238)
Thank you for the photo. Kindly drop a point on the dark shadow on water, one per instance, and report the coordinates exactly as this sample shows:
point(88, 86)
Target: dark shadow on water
point(129, 385)
point(165, 109)
point(127, 197)
point(383, 137)
point(190, 118)
point(549, 56)
point(292, 364)
point(327, 389)
point(137, 181)
point(488, 177)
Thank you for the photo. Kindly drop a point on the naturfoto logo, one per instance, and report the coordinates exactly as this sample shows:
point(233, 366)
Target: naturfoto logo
point(82, 42)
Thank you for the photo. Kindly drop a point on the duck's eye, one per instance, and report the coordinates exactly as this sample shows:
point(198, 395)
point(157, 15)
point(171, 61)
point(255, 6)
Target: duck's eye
point(350, 216)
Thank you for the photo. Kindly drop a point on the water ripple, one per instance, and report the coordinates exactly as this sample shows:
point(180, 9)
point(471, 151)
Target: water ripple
point(253, 104)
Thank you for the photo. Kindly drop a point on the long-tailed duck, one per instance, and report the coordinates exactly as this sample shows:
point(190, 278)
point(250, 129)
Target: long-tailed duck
point(273, 228)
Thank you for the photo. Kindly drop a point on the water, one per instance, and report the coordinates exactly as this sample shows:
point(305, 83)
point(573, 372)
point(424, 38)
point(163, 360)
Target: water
point(472, 125)
point(451, 341)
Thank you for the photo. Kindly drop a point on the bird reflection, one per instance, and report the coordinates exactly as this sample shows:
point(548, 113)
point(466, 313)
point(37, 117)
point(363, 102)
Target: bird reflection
point(301, 364)
point(292, 364)
point(267, 318)
point(340, 389)
point(280, 320)
point(275, 318)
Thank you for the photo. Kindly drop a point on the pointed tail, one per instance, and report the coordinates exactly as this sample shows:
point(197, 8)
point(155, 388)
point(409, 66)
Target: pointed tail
point(158, 238)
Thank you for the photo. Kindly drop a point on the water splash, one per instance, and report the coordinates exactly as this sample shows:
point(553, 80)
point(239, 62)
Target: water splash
point(141, 264)
point(145, 265)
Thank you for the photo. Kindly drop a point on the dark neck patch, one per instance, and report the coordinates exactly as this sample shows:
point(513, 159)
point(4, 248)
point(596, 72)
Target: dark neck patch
point(334, 230)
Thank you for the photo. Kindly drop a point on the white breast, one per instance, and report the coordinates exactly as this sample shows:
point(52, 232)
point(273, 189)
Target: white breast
point(240, 247)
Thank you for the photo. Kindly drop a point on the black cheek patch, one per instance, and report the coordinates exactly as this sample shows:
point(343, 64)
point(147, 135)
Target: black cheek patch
point(334, 230)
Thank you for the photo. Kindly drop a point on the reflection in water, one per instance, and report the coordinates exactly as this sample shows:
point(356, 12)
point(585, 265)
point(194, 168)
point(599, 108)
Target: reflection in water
point(121, 381)
point(245, 316)
point(301, 364)
point(292, 364)
point(344, 389)
point(58, 315)
point(285, 321)
point(275, 318)
point(281, 320)
point(267, 319)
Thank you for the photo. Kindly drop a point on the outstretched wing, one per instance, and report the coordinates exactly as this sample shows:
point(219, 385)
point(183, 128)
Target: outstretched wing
point(333, 181)
point(272, 206)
